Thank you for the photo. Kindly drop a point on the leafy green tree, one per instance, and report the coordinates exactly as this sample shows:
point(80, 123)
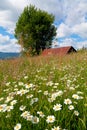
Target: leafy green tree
point(35, 30)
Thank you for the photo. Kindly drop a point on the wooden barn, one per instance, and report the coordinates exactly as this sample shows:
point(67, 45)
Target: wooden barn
point(59, 51)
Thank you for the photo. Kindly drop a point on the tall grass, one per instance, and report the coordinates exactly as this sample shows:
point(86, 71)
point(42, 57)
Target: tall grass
point(44, 93)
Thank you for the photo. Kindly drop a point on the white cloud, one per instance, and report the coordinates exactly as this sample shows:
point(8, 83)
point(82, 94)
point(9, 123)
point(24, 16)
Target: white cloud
point(8, 45)
point(81, 30)
point(53, 6)
point(71, 14)
point(11, 9)
point(72, 42)
point(3, 39)
point(63, 30)
point(9, 12)
point(5, 21)
point(75, 11)
point(67, 42)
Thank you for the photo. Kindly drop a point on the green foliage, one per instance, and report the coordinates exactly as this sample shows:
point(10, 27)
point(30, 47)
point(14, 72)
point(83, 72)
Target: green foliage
point(35, 30)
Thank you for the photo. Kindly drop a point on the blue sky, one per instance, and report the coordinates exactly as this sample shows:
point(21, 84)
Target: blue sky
point(70, 20)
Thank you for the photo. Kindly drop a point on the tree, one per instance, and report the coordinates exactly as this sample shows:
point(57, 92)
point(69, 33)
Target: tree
point(35, 30)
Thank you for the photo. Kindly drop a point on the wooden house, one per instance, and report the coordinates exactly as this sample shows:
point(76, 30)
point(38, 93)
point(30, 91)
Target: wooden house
point(59, 51)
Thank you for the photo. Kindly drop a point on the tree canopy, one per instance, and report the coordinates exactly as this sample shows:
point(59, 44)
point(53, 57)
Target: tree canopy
point(35, 30)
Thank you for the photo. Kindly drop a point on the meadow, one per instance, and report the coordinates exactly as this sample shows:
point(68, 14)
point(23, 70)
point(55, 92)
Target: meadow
point(44, 93)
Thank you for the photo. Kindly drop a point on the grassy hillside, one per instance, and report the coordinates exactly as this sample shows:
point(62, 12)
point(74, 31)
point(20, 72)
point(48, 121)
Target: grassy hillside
point(44, 93)
point(7, 55)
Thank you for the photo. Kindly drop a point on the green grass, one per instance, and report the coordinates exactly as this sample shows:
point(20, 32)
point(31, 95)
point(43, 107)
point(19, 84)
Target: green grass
point(41, 86)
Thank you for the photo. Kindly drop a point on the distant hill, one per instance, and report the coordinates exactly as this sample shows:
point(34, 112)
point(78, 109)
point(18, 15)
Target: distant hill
point(8, 55)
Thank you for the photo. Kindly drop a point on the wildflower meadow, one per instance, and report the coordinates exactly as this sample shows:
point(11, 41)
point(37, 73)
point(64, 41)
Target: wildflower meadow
point(44, 93)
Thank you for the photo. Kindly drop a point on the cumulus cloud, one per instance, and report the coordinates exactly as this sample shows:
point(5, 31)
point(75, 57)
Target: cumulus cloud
point(11, 9)
point(81, 29)
point(63, 30)
point(67, 42)
point(8, 45)
point(4, 5)
point(9, 14)
point(5, 20)
point(71, 12)
point(71, 16)
point(75, 11)
point(72, 42)
point(3, 39)
point(53, 6)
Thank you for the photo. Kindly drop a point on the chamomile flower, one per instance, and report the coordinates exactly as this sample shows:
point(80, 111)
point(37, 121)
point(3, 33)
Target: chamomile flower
point(22, 107)
point(22, 92)
point(20, 83)
point(25, 77)
point(71, 107)
point(17, 127)
point(33, 100)
point(29, 96)
point(25, 114)
point(76, 113)
point(29, 85)
point(9, 98)
point(8, 83)
point(1, 99)
point(3, 107)
point(29, 118)
point(67, 101)
point(46, 93)
point(57, 107)
point(13, 102)
point(50, 83)
point(56, 128)
point(56, 84)
point(35, 120)
point(40, 114)
point(75, 96)
point(50, 119)
point(9, 108)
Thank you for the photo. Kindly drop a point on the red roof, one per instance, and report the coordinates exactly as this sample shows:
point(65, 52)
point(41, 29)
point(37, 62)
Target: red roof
point(59, 51)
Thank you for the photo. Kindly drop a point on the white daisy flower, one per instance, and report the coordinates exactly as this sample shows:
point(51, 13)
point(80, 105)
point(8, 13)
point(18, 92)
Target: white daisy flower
point(9, 108)
point(25, 114)
point(8, 83)
point(50, 119)
point(67, 101)
point(17, 127)
point(56, 128)
point(29, 118)
point(71, 107)
point(9, 98)
point(3, 107)
point(25, 77)
point(40, 114)
point(22, 107)
point(75, 96)
point(13, 102)
point(20, 83)
point(76, 113)
point(35, 120)
point(46, 93)
point(57, 107)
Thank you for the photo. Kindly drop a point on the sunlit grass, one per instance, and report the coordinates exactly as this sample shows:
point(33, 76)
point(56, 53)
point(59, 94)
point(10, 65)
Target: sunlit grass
point(44, 93)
